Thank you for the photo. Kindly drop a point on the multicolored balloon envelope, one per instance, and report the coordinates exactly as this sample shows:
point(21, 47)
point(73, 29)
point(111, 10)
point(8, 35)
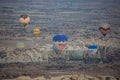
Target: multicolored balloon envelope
point(104, 29)
point(92, 49)
point(60, 41)
point(19, 45)
point(111, 55)
point(36, 31)
point(24, 20)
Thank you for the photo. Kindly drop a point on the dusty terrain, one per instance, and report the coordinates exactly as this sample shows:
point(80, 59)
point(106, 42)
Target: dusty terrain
point(14, 70)
point(78, 19)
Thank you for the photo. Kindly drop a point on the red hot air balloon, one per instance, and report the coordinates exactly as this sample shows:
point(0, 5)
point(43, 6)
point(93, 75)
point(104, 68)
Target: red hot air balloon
point(111, 56)
point(104, 29)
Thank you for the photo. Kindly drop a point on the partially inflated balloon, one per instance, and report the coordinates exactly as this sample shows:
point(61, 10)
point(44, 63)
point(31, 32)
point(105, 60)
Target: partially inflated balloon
point(60, 41)
point(55, 49)
point(104, 29)
point(24, 20)
point(19, 45)
point(111, 55)
point(36, 31)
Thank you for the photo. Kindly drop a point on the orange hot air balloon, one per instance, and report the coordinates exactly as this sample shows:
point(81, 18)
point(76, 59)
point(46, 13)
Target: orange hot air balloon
point(60, 41)
point(36, 31)
point(24, 20)
point(104, 29)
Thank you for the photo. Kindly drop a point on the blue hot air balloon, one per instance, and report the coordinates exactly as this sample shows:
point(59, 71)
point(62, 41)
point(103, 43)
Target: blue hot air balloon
point(92, 49)
point(60, 41)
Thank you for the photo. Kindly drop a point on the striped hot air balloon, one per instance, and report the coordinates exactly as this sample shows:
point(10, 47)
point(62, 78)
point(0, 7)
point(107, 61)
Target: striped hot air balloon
point(24, 20)
point(60, 41)
point(104, 28)
point(92, 49)
point(111, 56)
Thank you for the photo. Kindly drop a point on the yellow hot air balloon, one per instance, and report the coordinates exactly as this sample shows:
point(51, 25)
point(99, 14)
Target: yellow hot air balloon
point(36, 31)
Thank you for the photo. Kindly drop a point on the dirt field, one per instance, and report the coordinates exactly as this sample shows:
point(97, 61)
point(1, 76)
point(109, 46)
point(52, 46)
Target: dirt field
point(33, 70)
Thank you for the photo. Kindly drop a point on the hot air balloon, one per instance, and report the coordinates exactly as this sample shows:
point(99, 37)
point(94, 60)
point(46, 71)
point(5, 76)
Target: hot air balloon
point(24, 20)
point(92, 49)
point(104, 29)
point(36, 31)
point(19, 45)
point(60, 41)
point(111, 56)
